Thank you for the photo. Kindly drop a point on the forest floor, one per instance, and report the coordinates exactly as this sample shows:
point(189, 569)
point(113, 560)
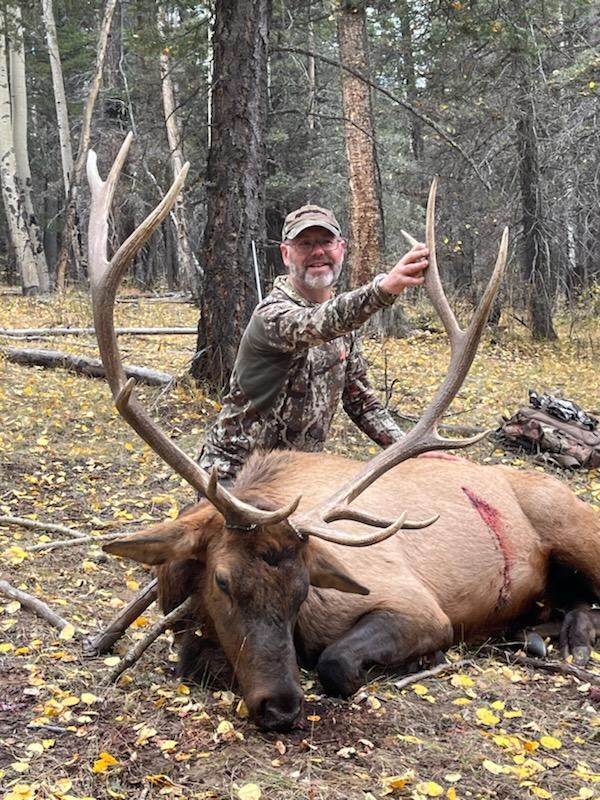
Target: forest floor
point(490, 729)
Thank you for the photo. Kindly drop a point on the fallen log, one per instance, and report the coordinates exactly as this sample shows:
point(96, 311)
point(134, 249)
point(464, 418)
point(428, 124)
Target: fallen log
point(86, 366)
point(23, 333)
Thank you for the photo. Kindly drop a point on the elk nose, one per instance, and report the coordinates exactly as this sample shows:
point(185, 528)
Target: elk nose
point(279, 712)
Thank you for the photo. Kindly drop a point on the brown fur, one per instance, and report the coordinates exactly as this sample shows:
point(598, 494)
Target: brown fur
point(480, 567)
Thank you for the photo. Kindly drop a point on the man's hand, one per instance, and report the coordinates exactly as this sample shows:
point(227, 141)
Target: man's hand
point(408, 271)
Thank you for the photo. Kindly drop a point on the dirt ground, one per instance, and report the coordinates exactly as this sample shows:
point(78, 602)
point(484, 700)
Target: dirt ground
point(486, 728)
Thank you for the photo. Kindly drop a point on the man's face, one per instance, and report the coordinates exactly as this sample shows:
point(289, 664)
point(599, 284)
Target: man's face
point(314, 258)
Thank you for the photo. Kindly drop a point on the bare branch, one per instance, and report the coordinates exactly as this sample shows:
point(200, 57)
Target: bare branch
point(34, 524)
point(104, 641)
point(143, 644)
point(419, 114)
point(38, 607)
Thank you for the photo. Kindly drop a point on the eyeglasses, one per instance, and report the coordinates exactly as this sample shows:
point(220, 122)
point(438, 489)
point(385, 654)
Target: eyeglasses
point(307, 246)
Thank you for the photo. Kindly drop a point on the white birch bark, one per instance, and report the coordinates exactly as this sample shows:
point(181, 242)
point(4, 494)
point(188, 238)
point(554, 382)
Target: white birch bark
point(60, 99)
point(18, 92)
point(187, 262)
point(10, 193)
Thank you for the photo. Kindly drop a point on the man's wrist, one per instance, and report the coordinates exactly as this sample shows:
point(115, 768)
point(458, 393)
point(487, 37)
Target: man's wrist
point(385, 298)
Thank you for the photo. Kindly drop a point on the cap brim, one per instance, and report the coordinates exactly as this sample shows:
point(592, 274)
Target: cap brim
point(311, 223)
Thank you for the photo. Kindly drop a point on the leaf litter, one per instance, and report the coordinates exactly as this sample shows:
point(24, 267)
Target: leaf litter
point(489, 731)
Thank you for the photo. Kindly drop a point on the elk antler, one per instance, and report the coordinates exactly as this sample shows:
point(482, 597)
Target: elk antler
point(424, 436)
point(105, 277)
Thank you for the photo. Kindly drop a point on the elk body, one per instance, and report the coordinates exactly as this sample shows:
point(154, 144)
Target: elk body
point(273, 582)
point(265, 599)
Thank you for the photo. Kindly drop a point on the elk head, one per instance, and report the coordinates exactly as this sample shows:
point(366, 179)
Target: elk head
point(251, 563)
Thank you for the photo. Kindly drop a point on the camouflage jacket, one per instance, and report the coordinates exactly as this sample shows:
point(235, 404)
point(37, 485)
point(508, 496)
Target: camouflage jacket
point(296, 360)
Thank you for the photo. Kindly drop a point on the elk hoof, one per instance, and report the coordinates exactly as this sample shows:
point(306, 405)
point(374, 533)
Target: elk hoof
point(534, 645)
point(577, 635)
point(337, 675)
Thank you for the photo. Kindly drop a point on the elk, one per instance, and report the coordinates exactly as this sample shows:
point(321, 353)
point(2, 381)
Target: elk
point(275, 584)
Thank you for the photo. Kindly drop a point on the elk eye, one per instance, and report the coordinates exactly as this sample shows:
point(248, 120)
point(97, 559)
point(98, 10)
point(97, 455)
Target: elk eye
point(222, 583)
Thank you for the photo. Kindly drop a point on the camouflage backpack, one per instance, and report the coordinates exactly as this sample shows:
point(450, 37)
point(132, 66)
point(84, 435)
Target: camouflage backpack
point(558, 430)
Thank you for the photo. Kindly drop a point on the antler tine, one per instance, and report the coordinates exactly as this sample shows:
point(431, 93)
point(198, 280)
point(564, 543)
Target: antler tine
point(105, 278)
point(424, 436)
point(329, 534)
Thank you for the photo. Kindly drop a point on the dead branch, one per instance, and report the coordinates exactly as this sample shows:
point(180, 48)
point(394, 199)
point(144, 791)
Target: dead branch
point(430, 673)
point(33, 604)
point(88, 366)
point(163, 298)
point(439, 129)
point(46, 546)
point(23, 333)
point(153, 633)
point(42, 526)
point(104, 641)
point(460, 430)
point(556, 666)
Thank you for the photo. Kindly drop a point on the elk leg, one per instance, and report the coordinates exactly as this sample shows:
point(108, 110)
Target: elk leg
point(380, 639)
point(578, 635)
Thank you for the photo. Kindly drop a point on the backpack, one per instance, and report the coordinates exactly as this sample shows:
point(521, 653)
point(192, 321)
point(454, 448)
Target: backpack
point(558, 430)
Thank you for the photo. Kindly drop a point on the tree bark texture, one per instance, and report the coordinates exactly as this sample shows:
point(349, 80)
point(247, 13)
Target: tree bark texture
point(235, 184)
point(188, 265)
point(538, 271)
point(15, 217)
point(18, 91)
point(365, 229)
point(60, 100)
point(536, 240)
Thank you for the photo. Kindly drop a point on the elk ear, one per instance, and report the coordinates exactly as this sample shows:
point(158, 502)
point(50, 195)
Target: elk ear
point(326, 572)
point(168, 541)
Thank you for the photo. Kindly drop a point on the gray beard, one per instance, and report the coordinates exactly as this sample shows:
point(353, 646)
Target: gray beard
point(318, 281)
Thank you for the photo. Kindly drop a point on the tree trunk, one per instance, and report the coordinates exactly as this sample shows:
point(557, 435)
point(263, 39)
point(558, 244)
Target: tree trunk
point(70, 234)
point(235, 184)
point(536, 247)
point(19, 234)
point(18, 91)
point(365, 229)
point(409, 77)
point(60, 100)
point(188, 265)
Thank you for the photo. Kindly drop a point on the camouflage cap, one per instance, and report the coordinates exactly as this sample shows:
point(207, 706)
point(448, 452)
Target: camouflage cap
point(307, 217)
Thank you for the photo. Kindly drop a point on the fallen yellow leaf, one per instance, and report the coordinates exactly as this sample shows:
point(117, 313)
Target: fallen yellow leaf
point(462, 680)
point(167, 745)
point(102, 764)
point(392, 782)
point(495, 769)
point(429, 789)
point(485, 716)
point(539, 792)
point(68, 632)
point(550, 743)
point(250, 791)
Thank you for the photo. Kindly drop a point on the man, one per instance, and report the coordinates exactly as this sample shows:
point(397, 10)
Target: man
point(300, 354)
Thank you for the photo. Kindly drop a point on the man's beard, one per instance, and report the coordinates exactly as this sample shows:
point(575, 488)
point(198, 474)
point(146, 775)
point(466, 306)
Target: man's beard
point(318, 281)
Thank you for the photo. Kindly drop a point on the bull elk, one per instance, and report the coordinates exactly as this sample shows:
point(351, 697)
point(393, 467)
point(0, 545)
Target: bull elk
point(275, 584)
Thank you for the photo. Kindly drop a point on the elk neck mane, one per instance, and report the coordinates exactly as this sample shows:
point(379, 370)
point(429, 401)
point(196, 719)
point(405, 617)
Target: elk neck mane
point(264, 473)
